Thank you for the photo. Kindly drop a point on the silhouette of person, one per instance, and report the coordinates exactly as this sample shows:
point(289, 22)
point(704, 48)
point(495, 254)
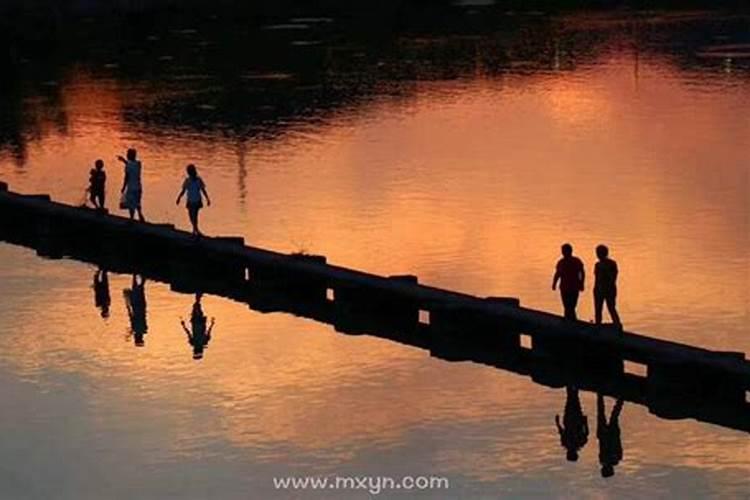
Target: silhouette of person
point(608, 434)
point(132, 189)
point(196, 190)
point(135, 301)
point(605, 286)
point(102, 299)
point(574, 431)
point(198, 334)
point(571, 275)
point(97, 182)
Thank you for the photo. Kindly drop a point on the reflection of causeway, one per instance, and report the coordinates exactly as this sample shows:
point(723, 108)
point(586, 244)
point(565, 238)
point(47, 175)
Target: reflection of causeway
point(675, 386)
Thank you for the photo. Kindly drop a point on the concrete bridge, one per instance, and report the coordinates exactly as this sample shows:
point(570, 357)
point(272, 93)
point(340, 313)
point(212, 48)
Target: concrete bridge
point(674, 380)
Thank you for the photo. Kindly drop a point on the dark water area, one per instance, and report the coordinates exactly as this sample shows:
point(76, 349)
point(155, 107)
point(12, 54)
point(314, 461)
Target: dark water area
point(461, 144)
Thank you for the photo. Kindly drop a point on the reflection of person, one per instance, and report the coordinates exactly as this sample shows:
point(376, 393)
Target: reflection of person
point(608, 434)
point(196, 190)
point(200, 335)
point(605, 286)
point(97, 182)
point(569, 272)
point(135, 301)
point(102, 299)
point(131, 184)
point(574, 431)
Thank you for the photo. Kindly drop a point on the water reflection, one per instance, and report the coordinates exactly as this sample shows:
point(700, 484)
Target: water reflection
point(199, 333)
point(102, 299)
point(419, 154)
point(608, 434)
point(135, 302)
point(574, 430)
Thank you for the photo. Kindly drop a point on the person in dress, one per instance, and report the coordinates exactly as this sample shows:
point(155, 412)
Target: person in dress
point(195, 189)
point(132, 188)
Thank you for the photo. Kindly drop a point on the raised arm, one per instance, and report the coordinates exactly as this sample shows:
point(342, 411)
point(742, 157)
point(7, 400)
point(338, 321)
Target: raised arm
point(187, 332)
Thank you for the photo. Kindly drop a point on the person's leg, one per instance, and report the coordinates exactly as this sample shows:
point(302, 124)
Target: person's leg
point(197, 213)
point(570, 301)
point(193, 216)
point(573, 304)
point(137, 196)
point(612, 308)
point(598, 304)
point(102, 197)
point(564, 300)
point(131, 211)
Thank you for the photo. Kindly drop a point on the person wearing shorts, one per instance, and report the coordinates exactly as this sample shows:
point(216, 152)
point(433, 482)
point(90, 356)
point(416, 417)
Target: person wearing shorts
point(195, 189)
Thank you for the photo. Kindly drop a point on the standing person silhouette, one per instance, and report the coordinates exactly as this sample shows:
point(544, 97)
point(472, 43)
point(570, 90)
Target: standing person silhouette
point(200, 335)
point(574, 432)
point(605, 286)
point(608, 434)
point(132, 188)
point(102, 299)
point(196, 190)
point(135, 302)
point(571, 275)
point(97, 183)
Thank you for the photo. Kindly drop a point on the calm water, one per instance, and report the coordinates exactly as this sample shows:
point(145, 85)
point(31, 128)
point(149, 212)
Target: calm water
point(461, 154)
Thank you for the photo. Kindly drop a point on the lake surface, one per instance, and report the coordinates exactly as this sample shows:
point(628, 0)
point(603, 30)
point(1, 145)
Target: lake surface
point(460, 153)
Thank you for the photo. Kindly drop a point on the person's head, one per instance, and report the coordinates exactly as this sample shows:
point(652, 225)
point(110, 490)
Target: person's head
point(99, 164)
point(197, 353)
point(105, 312)
point(572, 455)
point(138, 339)
point(602, 251)
point(567, 250)
point(132, 154)
point(192, 171)
point(608, 471)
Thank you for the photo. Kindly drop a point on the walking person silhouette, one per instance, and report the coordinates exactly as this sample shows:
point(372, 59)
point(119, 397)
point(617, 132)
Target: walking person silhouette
point(571, 275)
point(196, 190)
point(605, 286)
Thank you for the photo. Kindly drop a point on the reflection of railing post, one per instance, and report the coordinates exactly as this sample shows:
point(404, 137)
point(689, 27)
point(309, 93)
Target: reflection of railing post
point(362, 309)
